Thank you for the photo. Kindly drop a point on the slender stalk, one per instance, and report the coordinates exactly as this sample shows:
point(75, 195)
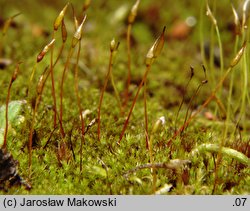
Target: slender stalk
point(76, 38)
point(145, 112)
point(152, 54)
point(53, 81)
point(221, 49)
point(13, 78)
point(209, 99)
point(53, 85)
point(116, 92)
point(79, 103)
point(234, 62)
point(129, 64)
point(31, 137)
point(117, 96)
point(40, 87)
point(52, 65)
point(61, 91)
point(229, 111)
point(229, 99)
point(190, 103)
point(245, 64)
point(113, 47)
point(183, 97)
point(201, 33)
point(6, 117)
point(59, 54)
point(131, 19)
point(58, 21)
point(211, 48)
point(194, 95)
point(31, 78)
point(214, 21)
point(133, 104)
point(244, 90)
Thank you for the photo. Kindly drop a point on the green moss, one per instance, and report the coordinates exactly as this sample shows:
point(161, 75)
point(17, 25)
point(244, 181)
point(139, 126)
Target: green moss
point(56, 170)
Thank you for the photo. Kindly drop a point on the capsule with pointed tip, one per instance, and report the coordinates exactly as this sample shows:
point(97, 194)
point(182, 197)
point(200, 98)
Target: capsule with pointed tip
point(133, 12)
point(114, 45)
point(156, 48)
point(64, 31)
point(44, 51)
point(40, 85)
point(236, 20)
point(158, 124)
point(78, 34)
point(17, 69)
point(245, 12)
point(210, 15)
point(238, 56)
point(60, 17)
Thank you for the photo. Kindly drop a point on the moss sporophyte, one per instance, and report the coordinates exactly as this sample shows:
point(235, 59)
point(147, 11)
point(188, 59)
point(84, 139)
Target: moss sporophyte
point(72, 120)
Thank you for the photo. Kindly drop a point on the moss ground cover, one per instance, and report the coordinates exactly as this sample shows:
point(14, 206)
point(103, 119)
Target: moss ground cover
point(197, 130)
